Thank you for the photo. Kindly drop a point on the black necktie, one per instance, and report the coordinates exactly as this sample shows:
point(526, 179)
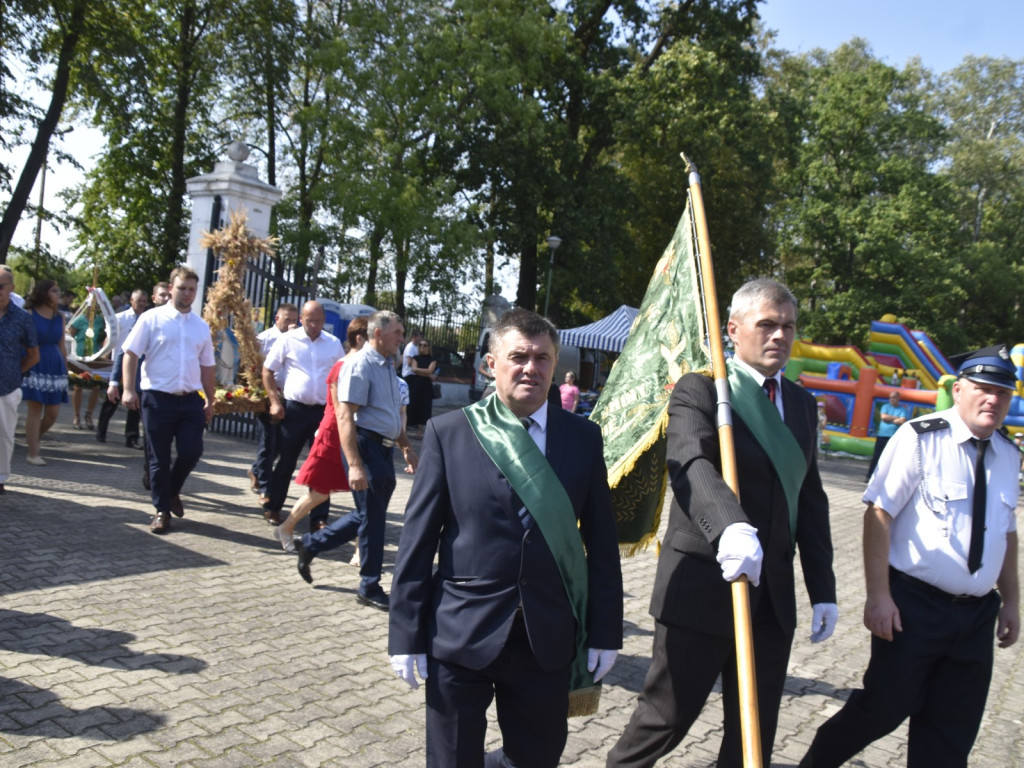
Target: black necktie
point(769, 389)
point(978, 508)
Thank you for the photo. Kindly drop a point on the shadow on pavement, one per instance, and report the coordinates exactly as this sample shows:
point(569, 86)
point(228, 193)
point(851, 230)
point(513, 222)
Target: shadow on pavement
point(45, 635)
point(29, 711)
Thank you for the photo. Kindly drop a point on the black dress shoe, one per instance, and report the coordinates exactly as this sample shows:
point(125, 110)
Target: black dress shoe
point(379, 601)
point(272, 516)
point(129, 444)
point(305, 558)
point(176, 507)
point(101, 438)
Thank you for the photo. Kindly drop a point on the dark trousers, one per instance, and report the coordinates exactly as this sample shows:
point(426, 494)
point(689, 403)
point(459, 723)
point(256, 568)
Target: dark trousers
point(295, 431)
point(936, 672)
point(880, 443)
point(178, 420)
point(532, 709)
point(368, 521)
point(684, 667)
point(131, 422)
point(267, 437)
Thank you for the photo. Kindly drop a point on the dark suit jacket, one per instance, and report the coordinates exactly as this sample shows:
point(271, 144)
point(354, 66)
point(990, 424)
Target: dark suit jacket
point(689, 590)
point(463, 508)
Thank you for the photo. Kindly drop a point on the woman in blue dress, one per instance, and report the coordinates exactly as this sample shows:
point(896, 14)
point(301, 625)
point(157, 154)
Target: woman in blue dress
point(45, 385)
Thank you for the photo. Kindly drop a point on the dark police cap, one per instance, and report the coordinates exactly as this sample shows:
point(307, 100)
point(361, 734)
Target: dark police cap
point(991, 365)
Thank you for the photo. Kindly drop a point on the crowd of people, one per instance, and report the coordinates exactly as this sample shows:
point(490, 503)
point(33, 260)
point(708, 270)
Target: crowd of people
point(507, 584)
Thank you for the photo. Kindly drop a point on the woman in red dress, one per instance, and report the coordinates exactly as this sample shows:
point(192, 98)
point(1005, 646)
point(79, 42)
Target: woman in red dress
point(322, 472)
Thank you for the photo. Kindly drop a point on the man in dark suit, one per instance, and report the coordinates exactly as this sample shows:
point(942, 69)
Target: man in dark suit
point(508, 493)
point(713, 538)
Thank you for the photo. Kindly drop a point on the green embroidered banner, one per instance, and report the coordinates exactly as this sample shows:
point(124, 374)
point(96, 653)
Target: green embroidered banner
point(668, 339)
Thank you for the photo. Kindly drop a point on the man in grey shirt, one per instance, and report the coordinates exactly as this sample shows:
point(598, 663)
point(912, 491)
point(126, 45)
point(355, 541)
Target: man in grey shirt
point(369, 424)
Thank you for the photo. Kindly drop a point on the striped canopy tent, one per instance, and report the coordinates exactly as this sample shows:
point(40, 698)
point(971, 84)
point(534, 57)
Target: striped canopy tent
point(608, 334)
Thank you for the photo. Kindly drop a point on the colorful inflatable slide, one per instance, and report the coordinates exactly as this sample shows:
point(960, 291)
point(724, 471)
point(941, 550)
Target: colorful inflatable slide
point(852, 386)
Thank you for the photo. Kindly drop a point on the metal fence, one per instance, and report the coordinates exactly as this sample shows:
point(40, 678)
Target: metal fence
point(265, 292)
point(453, 336)
point(453, 333)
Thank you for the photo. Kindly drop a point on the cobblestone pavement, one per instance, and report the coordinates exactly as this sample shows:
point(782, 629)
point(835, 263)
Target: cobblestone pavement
point(205, 648)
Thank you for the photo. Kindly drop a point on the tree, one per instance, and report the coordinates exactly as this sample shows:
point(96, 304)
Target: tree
point(982, 105)
point(58, 43)
point(159, 133)
point(864, 226)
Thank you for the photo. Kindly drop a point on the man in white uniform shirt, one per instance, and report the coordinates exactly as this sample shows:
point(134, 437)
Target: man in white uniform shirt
point(939, 533)
point(267, 431)
point(125, 322)
point(178, 363)
point(305, 356)
point(410, 351)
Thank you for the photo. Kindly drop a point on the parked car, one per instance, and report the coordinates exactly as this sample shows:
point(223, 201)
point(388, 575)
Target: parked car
point(451, 364)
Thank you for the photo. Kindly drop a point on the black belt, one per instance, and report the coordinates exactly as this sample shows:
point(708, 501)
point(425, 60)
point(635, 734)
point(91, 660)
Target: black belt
point(387, 442)
point(186, 393)
point(298, 404)
point(933, 590)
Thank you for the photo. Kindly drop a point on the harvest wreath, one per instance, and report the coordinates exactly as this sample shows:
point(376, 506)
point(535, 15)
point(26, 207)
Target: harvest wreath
point(226, 304)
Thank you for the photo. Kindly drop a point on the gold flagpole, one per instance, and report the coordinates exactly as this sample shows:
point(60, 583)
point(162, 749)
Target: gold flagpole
point(749, 722)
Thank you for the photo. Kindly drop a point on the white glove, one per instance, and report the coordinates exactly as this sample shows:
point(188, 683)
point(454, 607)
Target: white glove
point(403, 663)
point(739, 553)
point(601, 661)
point(824, 620)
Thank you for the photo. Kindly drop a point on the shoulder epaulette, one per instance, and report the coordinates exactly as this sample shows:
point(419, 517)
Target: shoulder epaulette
point(929, 425)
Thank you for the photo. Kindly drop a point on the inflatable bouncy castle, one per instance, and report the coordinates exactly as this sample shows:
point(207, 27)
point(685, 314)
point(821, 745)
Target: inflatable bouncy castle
point(853, 385)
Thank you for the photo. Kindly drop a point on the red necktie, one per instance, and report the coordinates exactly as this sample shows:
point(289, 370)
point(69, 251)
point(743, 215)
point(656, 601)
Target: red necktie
point(769, 389)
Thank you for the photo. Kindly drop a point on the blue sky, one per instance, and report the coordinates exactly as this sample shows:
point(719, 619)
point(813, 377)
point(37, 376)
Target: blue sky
point(941, 32)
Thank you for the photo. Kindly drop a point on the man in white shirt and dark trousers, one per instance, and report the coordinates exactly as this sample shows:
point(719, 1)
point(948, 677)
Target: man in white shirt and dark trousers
point(939, 533)
point(267, 430)
point(178, 363)
point(125, 323)
point(305, 356)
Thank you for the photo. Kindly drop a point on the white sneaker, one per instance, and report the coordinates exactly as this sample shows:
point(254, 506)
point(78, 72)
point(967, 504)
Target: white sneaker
point(287, 541)
point(35, 461)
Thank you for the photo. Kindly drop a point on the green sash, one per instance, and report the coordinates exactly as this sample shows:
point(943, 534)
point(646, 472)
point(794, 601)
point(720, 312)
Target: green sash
point(513, 451)
point(762, 417)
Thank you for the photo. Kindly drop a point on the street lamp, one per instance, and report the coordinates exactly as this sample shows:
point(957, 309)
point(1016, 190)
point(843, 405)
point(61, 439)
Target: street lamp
point(553, 242)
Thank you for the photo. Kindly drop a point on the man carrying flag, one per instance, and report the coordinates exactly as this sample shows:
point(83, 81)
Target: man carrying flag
point(713, 538)
point(512, 496)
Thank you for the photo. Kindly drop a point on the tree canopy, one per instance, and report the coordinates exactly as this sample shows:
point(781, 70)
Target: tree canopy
point(420, 146)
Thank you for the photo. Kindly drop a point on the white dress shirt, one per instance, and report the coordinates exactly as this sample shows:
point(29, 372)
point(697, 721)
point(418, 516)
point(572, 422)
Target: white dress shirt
point(305, 364)
point(760, 379)
point(125, 323)
point(266, 340)
point(411, 350)
point(926, 484)
point(175, 344)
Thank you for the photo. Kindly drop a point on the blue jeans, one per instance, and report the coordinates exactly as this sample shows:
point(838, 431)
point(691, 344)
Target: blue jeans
point(295, 431)
point(367, 521)
point(170, 418)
